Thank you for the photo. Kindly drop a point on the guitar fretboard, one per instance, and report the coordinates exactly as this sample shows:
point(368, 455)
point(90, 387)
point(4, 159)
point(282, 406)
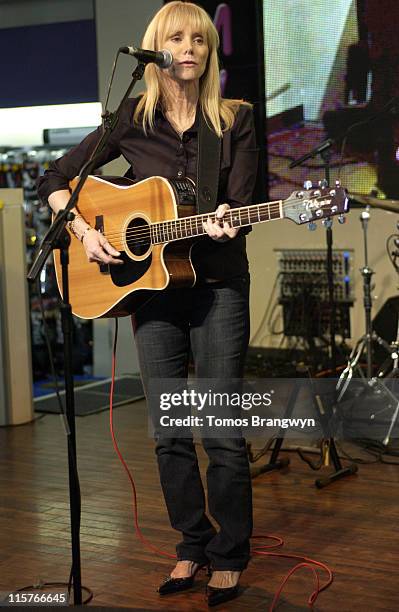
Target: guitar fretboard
point(190, 227)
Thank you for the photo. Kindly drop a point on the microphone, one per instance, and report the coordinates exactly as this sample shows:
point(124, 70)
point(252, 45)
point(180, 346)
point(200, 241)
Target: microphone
point(162, 58)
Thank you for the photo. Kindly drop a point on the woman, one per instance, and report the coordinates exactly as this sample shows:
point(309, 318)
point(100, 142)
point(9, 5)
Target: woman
point(157, 134)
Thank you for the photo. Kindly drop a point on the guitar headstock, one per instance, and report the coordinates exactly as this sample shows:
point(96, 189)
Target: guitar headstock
point(309, 205)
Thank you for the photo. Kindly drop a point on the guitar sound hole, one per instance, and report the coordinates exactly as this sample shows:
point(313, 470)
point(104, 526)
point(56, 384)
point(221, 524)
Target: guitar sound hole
point(138, 236)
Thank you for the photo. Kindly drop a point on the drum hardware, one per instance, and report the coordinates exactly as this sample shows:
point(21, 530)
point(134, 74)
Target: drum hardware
point(359, 200)
point(365, 342)
point(383, 382)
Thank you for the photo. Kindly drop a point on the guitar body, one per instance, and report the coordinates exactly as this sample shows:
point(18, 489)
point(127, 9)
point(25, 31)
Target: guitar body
point(123, 211)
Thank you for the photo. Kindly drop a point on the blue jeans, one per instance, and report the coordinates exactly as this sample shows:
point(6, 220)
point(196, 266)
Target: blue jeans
point(211, 319)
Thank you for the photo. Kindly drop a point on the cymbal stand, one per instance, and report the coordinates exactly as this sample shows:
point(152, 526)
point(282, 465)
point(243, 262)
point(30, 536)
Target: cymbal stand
point(376, 383)
point(365, 342)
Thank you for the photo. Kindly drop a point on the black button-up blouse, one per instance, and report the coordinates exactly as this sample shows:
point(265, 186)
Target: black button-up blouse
point(164, 153)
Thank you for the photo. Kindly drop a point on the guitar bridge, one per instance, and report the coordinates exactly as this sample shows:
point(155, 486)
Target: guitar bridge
point(99, 226)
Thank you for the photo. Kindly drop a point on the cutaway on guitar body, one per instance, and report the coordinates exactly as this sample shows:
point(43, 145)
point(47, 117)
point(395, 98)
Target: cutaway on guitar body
point(132, 217)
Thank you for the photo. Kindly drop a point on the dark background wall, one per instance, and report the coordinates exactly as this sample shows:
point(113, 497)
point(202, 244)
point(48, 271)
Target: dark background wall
point(49, 64)
point(48, 50)
point(240, 27)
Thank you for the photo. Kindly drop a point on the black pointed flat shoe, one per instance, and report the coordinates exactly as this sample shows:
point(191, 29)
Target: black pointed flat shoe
point(175, 585)
point(216, 596)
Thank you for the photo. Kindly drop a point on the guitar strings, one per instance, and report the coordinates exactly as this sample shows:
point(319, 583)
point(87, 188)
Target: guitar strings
point(167, 234)
point(181, 224)
point(272, 207)
point(141, 235)
point(185, 224)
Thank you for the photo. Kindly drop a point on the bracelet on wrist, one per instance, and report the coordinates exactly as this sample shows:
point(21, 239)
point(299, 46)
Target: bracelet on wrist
point(73, 230)
point(85, 232)
point(71, 225)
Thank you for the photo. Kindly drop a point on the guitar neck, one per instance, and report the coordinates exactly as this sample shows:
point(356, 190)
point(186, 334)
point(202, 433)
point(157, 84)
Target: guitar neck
point(191, 227)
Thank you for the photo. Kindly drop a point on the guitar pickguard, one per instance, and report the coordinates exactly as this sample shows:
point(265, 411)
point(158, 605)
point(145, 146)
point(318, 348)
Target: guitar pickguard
point(131, 270)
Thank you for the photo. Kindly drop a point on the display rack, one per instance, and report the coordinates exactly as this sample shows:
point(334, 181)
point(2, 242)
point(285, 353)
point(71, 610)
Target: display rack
point(21, 167)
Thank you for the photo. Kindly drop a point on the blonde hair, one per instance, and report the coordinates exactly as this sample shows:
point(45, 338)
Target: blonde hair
point(218, 112)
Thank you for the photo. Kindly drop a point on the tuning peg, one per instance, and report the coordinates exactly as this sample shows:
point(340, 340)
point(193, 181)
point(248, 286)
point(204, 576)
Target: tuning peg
point(323, 183)
point(341, 219)
point(312, 226)
point(327, 223)
point(307, 184)
point(338, 183)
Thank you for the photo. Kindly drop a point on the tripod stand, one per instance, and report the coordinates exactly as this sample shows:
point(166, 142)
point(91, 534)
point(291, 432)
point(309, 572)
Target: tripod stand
point(364, 344)
point(324, 413)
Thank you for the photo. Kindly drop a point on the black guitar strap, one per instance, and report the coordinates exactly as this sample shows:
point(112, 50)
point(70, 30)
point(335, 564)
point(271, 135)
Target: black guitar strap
point(208, 167)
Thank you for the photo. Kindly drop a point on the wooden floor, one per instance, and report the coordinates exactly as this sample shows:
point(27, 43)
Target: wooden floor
point(352, 526)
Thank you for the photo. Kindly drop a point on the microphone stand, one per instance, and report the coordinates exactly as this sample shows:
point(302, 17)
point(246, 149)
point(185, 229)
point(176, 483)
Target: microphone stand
point(324, 150)
point(58, 238)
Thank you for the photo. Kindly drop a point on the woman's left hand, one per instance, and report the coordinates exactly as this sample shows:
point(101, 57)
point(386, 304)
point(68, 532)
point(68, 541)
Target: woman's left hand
point(218, 232)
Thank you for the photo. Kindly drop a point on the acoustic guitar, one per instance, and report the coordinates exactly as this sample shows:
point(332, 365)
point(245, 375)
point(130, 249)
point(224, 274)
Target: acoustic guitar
point(154, 224)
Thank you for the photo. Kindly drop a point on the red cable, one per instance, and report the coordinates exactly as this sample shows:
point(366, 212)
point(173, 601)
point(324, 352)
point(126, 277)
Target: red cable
point(116, 447)
point(305, 562)
point(259, 550)
point(315, 593)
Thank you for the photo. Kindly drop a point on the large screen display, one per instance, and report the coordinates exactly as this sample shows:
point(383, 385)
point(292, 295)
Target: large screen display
point(330, 65)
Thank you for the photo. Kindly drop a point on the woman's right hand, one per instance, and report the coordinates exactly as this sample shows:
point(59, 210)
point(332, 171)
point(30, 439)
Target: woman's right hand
point(95, 244)
point(98, 249)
